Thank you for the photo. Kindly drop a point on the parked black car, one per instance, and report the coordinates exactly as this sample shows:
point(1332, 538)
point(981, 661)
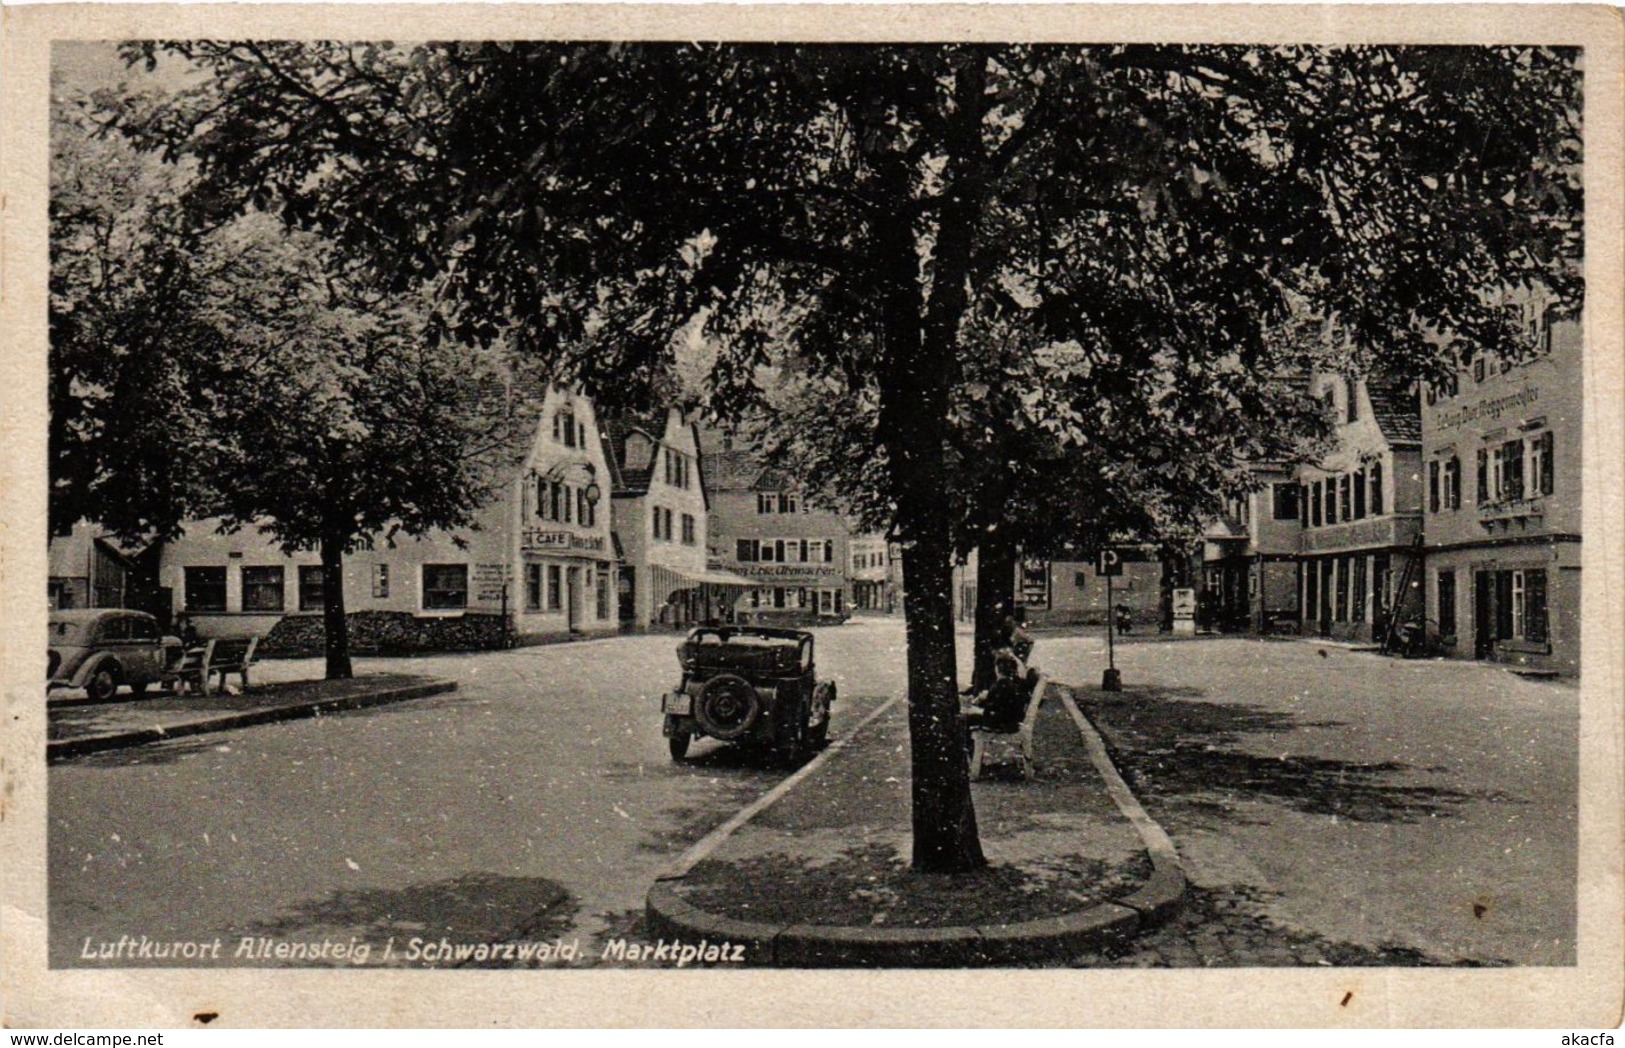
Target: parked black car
point(98, 649)
point(748, 685)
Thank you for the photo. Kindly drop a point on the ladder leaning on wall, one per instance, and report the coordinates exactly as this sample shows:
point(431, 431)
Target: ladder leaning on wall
point(1413, 565)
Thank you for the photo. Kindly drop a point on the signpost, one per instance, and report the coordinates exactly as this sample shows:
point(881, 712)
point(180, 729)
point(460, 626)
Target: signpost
point(1109, 565)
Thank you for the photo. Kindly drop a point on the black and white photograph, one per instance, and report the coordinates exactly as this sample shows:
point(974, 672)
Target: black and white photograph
point(619, 498)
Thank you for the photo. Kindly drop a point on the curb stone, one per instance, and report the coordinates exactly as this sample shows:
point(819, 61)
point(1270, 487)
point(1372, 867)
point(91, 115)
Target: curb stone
point(62, 749)
point(819, 946)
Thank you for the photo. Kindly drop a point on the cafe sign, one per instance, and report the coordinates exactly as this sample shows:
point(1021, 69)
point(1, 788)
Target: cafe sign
point(537, 540)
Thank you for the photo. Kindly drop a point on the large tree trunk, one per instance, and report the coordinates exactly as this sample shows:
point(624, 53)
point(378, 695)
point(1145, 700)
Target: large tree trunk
point(945, 836)
point(918, 371)
point(335, 627)
point(995, 601)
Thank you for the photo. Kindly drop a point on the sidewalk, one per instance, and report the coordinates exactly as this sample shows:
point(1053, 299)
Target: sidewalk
point(78, 727)
point(821, 877)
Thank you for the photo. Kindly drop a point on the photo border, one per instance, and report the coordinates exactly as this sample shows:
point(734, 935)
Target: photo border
point(1587, 995)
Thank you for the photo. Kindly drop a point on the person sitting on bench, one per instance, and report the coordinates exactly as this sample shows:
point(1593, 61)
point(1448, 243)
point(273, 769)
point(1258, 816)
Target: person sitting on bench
point(1004, 703)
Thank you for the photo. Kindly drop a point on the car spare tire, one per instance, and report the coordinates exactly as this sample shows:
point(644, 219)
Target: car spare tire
point(727, 707)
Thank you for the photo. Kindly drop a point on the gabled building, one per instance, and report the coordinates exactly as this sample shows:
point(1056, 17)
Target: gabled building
point(540, 565)
point(87, 569)
point(662, 526)
point(1360, 511)
point(1501, 452)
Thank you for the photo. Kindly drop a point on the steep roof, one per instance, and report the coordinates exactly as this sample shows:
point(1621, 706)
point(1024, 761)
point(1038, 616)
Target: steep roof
point(629, 478)
point(1395, 406)
point(733, 470)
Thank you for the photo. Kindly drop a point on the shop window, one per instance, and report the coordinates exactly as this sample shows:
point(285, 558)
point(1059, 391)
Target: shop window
point(1340, 609)
point(533, 587)
point(1382, 577)
point(445, 587)
point(1447, 603)
point(205, 589)
point(1311, 592)
point(1357, 590)
point(262, 589)
point(555, 588)
point(310, 587)
point(602, 592)
point(380, 580)
point(1521, 606)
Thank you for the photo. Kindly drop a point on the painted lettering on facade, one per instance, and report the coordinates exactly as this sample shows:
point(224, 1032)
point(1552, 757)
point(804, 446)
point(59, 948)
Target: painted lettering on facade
point(1491, 409)
point(489, 580)
point(536, 540)
point(785, 571)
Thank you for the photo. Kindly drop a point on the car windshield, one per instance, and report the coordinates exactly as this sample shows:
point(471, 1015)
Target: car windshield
point(64, 632)
point(749, 641)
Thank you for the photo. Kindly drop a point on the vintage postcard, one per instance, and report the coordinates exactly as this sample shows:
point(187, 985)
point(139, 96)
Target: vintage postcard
point(777, 516)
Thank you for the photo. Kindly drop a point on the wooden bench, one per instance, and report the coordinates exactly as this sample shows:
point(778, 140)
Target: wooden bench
point(221, 657)
point(1021, 738)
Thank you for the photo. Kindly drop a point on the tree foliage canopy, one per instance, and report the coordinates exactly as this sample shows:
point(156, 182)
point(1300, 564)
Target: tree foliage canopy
point(1157, 207)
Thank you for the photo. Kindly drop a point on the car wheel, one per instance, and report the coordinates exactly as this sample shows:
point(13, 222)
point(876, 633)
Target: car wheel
point(678, 745)
point(727, 707)
point(102, 684)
